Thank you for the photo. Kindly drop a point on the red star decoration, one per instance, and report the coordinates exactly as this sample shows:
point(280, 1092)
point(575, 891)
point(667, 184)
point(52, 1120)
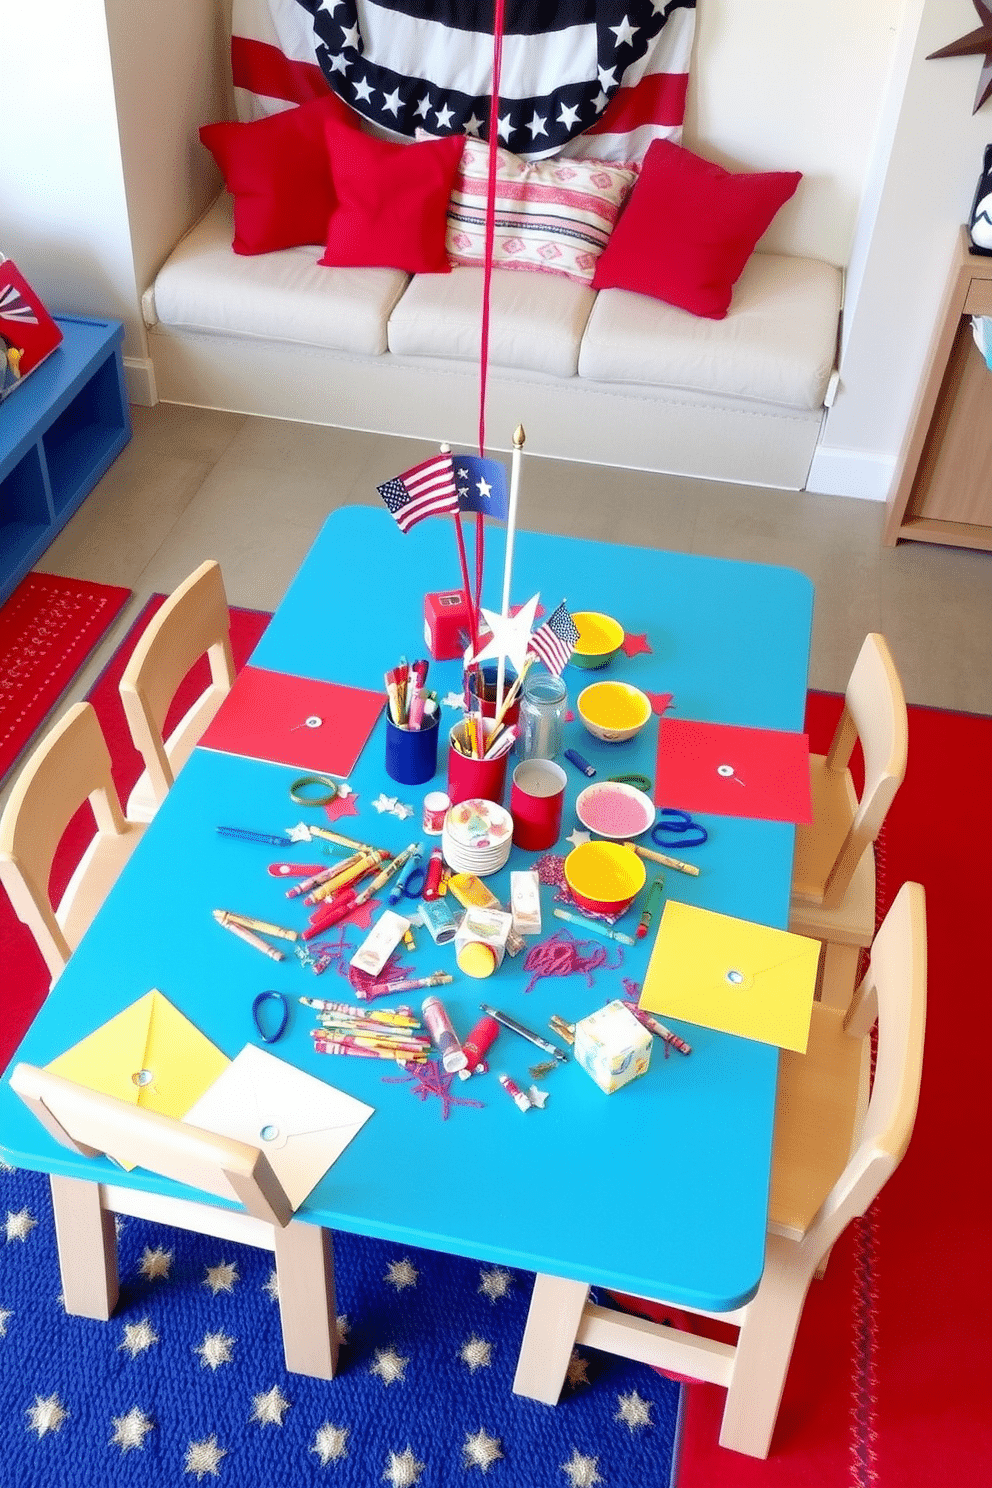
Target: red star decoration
point(342, 806)
point(976, 43)
point(634, 645)
point(361, 917)
point(660, 701)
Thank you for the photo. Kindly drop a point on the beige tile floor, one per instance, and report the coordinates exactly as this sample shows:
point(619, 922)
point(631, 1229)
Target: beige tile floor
point(252, 493)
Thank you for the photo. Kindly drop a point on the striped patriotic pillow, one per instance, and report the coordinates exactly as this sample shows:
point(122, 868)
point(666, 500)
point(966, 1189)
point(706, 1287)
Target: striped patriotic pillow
point(555, 215)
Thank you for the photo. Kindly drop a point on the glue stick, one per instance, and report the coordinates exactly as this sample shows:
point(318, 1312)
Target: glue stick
point(435, 1016)
point(477, 1046)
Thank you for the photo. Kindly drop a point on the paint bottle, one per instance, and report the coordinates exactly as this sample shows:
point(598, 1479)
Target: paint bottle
point(438, 1024)
point(477, 1046)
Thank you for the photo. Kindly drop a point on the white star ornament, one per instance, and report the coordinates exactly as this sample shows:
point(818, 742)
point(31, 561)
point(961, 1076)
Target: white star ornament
point(510, 635)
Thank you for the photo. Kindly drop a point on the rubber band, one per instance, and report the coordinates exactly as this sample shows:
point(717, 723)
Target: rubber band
point(282, 1018)
point(300, 793)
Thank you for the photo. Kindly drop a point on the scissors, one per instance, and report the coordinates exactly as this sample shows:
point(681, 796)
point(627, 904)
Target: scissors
point(676, 828)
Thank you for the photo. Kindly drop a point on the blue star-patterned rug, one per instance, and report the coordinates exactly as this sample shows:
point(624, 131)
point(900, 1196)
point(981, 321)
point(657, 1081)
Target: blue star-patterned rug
point(186, 1383)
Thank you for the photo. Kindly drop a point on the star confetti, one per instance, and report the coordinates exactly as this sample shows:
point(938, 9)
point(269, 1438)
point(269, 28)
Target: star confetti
point(660, 701)
point(383, 803)
point(299, 833)
point(976, 43)
point(454, 700)
point(341, 806)
point(635, 645)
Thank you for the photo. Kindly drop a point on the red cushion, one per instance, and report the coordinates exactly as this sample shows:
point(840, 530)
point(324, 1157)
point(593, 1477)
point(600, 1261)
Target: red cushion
point(276, 170)
point(392, 201)
point(689, 228)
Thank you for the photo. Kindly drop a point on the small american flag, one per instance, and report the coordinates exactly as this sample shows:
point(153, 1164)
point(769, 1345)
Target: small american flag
point(554, 641)
point(424, 491)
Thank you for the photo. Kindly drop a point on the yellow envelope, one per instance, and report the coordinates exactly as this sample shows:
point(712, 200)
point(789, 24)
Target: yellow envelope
point(149, 1055)
point(733, 975)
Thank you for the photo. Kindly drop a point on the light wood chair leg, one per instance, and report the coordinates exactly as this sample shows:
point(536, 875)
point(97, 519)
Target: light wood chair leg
point(839, 974)
point(87, 1244)
point(549, 1337)
point(764, 1350)
point(307, 1301)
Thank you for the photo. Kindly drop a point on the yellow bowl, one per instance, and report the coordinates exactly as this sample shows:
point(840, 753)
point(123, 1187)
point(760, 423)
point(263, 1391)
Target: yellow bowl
point(600, 638)
point(604, 877)
point(613, 711)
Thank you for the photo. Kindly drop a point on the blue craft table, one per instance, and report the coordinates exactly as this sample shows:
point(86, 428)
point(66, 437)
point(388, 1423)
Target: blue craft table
point(659, 1189)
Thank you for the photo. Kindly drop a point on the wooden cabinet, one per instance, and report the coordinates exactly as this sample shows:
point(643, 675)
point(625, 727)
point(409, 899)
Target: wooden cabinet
point(58, 434)
point(943, 487)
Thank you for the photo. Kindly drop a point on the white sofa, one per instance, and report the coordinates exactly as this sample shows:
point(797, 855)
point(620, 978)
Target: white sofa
point(611, 378)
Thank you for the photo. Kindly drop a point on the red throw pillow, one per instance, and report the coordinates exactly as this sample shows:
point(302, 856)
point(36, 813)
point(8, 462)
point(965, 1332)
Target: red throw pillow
point(689, 228)
point(276, 170)
point(392, 201)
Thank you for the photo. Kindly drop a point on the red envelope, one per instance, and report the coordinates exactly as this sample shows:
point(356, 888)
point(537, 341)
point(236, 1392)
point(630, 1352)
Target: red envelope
point(733, 771)
point(265, 717)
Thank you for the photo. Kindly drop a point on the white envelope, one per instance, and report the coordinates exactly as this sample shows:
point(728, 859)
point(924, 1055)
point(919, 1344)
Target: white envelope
point(301, 1124)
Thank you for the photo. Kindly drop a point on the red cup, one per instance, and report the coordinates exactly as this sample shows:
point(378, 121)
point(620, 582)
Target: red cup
point(536, 802)
point(470, 778)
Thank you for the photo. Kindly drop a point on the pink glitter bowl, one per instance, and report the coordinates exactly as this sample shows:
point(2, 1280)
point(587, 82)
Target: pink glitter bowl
point(614, 810)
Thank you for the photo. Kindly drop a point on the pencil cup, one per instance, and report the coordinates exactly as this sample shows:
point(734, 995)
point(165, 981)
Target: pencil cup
point(482, 688)
point(411, 754)
point(468, 777)
point(536, 803)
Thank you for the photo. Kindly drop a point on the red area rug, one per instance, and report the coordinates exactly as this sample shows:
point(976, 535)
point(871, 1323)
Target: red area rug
point(25, 975)
point(48, 628)
point(888, 1385)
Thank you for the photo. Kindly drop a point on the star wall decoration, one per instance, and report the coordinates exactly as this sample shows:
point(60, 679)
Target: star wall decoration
point(131, 1429)
point(203, 1458)
point(269, 1407)
point(47, 1414)
point(977, 43)
point(342, 806)
point(19, 1226)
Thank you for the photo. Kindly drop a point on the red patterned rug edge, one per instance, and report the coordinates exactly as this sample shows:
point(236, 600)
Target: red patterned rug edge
point(84, 611)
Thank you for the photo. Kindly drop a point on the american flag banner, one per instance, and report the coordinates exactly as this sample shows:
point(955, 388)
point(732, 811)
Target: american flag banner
point(482, 486)
point(593, 78)
point(426, 490)
point(554, 641)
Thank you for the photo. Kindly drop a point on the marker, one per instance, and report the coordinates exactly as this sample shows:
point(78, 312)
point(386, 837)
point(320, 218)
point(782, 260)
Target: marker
point(396, 894)
point(579, 762)
point(654, 894)
point(527, 1033)
point(595, 926)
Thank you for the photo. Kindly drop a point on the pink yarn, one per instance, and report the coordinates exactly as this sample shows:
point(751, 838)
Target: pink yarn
point(562, 955)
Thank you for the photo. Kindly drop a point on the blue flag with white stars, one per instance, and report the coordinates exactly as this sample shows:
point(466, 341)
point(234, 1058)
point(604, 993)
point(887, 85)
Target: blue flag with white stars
point(481, 486)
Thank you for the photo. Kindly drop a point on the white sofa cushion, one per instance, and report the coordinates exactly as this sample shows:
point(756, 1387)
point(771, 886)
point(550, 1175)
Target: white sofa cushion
point(776, 345)
point(536, 320)
point(286, 296)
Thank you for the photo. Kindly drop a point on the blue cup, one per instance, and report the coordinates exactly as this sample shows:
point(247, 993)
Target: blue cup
point(411, 754)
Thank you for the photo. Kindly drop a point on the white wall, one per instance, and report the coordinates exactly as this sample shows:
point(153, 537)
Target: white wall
point(920, 188)
point(63, 213)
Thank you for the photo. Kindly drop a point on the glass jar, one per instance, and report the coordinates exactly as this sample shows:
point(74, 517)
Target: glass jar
point(542, 717)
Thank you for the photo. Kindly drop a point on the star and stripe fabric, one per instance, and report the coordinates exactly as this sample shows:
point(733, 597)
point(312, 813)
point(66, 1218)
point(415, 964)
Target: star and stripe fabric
point(426, 490)
point(590, 78)
point(554, 641)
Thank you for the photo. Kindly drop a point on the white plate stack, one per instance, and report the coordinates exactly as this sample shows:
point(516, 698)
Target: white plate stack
point(477, 837)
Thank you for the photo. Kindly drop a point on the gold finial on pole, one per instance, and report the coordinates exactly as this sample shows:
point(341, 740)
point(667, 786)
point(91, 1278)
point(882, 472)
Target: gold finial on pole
point(519, 436)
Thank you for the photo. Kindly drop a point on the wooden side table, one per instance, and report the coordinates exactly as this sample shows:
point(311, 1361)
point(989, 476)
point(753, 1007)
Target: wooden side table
point(943, 487)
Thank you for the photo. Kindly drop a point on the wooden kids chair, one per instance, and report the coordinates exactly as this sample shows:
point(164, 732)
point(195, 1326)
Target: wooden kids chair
point(70, 766)
point(833, 1152)
point(194, 621)
point(91, 1123)
point(833, 879)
